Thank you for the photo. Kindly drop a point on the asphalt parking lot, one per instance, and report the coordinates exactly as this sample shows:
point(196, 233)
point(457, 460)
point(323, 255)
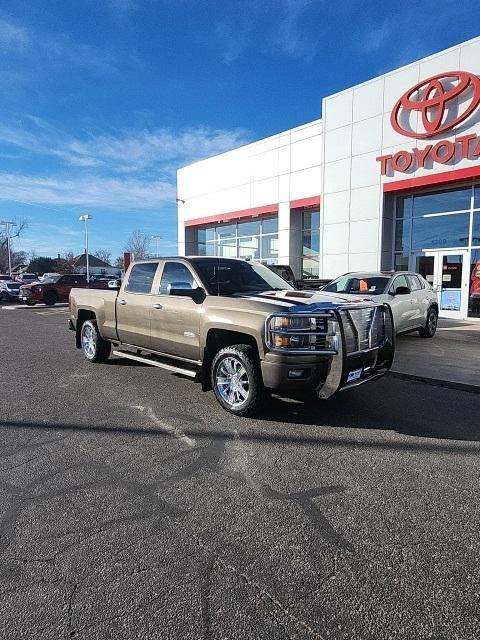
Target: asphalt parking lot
point(132, 506)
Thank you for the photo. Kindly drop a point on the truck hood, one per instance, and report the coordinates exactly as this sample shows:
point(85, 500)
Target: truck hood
point(308, 297)
point(274, 301)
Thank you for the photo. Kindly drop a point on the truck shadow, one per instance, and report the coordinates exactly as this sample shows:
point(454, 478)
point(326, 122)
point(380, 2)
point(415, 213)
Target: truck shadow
point(410, 408)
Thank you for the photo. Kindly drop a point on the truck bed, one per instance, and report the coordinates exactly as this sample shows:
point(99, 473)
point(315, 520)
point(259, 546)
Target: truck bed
point(102, 303)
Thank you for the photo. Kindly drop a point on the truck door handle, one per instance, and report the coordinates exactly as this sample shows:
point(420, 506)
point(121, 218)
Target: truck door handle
point(122, 302)
point(157, 306)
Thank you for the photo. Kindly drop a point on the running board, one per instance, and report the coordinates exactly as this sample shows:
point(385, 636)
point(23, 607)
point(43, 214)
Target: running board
point(155, 363)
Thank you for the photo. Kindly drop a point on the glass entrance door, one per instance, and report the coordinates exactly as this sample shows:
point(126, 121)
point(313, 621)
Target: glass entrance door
point(450, 279)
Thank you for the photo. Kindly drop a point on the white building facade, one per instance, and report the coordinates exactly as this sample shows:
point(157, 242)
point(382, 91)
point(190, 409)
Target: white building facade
point(388, 178)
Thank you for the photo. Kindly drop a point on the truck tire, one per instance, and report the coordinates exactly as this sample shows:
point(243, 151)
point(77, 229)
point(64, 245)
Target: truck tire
point(50, 298)
point(428, 331)
point(94, 347)
point(237, 380)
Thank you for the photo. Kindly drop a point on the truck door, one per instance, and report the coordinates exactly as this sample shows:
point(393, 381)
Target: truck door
point(175, 320)
point(134, 303)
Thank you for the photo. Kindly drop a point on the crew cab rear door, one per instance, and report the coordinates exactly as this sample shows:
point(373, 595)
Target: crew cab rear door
point(133, 305)
point(175, 320)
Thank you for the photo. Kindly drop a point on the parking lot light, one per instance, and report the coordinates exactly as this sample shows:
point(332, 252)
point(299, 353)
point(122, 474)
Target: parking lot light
point(85, 218)
point(157, 238)
point(8, 224)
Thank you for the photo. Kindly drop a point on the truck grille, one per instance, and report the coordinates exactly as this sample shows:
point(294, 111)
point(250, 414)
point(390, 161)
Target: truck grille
point(365, 328)
point(24, 291)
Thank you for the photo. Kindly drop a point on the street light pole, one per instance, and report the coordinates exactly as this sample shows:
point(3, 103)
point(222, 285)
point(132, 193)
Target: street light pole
point(156, 238)
point(85, 218)
point(8, 224)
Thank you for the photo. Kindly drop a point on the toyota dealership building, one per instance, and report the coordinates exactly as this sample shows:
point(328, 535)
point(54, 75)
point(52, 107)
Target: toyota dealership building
point(388, 178)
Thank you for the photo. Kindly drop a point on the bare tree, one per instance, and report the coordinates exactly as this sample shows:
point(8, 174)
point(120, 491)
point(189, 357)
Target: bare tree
point(119, 263)
point(18, 257)
point(138, 244)
point(67, 263)
point(103, 254)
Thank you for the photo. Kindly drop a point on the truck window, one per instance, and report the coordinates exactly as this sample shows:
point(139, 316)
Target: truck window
point(175, 272)
point(141, 277)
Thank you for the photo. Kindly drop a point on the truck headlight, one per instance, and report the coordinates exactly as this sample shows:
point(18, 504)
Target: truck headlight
point(298, 332)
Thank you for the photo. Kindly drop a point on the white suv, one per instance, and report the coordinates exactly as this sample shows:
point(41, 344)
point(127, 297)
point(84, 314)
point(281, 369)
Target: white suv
point(413, 302)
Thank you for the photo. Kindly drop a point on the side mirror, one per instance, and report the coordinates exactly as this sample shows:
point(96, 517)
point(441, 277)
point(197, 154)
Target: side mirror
point(185, 290)
point(401, 291)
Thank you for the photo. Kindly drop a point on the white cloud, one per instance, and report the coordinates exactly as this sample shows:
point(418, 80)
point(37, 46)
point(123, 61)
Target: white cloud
point(124, 152)
point(133, 169)
point(86, 191)
point(12, 36)
point(42, 50)
point(290, 37)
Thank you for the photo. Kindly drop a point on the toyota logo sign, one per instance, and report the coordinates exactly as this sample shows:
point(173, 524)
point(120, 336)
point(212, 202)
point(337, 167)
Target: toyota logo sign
point(436, 100)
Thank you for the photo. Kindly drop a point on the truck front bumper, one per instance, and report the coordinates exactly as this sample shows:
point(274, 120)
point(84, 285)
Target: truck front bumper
point(327, 374)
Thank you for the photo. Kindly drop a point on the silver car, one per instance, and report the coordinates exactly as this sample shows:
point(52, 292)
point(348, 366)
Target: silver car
point(9, 291)
point(413, 302)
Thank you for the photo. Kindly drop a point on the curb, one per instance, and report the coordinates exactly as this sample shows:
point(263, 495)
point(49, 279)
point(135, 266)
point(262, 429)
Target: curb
point(436, 382)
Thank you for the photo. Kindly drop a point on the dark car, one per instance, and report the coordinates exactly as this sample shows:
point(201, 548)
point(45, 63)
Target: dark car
point(56, 288)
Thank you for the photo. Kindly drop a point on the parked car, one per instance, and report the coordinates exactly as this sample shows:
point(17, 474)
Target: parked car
point(313, 284)
point(47, 275)
point(27, 278)
point(55, 289)
point(9, 291)
point(285, 271)
point(413, 301)
point(237, 327)
point(4, 276)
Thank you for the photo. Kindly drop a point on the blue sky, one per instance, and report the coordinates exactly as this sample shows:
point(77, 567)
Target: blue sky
point(102, 101)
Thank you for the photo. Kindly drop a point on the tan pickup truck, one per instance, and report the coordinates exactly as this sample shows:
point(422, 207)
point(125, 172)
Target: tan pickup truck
point(237, 327)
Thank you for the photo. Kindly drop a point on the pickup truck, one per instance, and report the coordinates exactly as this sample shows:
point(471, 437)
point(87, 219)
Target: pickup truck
point(236, 327)
point(55, 288)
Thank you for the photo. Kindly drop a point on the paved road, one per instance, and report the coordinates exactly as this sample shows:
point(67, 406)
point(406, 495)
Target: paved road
point(132, 506)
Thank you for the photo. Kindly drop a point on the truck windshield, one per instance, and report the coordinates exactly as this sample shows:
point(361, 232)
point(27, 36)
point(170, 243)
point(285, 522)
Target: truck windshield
point(224, 277)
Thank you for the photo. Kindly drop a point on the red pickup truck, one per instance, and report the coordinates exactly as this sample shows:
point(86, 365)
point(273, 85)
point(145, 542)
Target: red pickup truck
point(56, 289)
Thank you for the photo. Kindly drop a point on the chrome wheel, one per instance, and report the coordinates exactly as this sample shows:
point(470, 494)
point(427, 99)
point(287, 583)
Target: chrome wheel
point(89, 340)
point(232, 382)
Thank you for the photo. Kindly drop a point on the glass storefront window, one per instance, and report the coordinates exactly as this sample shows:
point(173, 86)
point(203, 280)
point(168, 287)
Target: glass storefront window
point(311, 267)
point(249, 228)
point(227, 231)
point(270, 225)
point(404, 207)
point(249, 247)
point(401, 262)
point(246, 239)
point(311, 219)
point(440, 231)
point(270, 247)
point(476, 198)
point(311, 242)
point(442, 201)
point(209, 249)
point(403, 229)
point(474, 285)
point(227, 248)
point(476, 230)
